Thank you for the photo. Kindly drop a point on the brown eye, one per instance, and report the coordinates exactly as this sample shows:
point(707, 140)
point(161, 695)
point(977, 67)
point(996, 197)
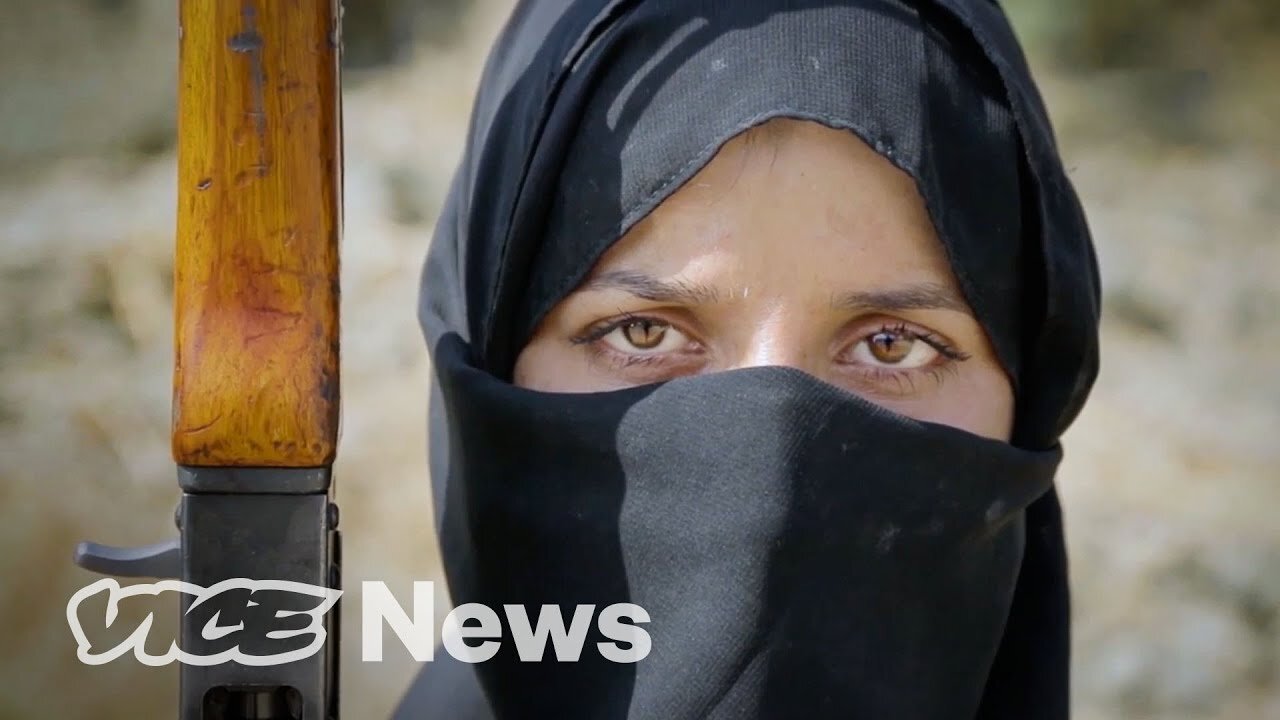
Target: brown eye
point(644, 334)
point(890, 347)
point(893, 347)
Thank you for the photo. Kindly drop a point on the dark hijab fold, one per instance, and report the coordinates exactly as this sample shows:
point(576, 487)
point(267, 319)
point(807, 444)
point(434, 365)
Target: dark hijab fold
point(588, 115)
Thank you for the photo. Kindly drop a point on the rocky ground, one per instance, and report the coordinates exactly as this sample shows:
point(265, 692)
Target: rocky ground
point(1170, 484)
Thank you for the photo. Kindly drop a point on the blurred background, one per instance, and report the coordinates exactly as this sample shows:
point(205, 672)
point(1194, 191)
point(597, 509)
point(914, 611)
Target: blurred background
point(1169, 117)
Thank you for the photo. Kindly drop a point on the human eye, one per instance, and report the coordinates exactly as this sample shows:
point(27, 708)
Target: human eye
point(631, 341)
point(643, 336)
point(896, 357)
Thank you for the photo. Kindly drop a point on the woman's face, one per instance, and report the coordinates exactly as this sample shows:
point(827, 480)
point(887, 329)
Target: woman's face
point(796, 245)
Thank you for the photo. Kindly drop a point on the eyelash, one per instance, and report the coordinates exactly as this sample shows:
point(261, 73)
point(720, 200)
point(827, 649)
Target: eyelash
point(604, 327)
point(907, 378)
point(933, 341)
point(591, 337)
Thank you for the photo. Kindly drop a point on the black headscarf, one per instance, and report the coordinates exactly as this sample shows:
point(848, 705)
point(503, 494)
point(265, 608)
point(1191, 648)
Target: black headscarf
point(801, 552)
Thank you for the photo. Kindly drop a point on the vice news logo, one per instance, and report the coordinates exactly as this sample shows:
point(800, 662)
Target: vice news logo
point(290, 618)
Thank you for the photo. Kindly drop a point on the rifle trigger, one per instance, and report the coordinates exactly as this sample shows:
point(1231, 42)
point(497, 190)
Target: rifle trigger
point(161, 560)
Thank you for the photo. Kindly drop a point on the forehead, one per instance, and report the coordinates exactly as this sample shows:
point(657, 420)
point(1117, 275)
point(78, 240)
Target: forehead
point(789, 198)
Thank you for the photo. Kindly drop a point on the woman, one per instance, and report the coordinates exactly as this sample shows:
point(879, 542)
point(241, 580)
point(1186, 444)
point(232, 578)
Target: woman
point(765, 316)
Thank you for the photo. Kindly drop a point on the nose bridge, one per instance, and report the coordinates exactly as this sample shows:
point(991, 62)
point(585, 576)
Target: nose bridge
point(776, 340)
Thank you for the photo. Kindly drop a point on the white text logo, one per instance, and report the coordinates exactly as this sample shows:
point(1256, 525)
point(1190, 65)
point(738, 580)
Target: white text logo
point(278, 613)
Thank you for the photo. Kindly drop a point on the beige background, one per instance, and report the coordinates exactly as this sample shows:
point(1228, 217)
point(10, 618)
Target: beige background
point(1169, 125)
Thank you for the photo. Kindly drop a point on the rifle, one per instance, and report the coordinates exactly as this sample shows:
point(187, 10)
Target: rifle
point(256, 300)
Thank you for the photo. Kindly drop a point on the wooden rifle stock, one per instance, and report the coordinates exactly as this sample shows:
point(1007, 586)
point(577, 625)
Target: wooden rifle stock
point(256, 268)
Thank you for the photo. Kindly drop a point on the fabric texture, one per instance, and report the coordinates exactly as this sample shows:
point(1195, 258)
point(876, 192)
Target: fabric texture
point(801, 552)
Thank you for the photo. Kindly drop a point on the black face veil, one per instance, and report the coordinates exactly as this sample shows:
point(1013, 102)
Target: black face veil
point(800, 552)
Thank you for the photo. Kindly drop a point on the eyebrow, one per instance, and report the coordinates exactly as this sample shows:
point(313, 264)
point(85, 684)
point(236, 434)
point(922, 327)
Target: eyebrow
point(916, 296)
point(651, 288)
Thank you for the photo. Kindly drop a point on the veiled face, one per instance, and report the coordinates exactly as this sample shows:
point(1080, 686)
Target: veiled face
point(796, 245)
